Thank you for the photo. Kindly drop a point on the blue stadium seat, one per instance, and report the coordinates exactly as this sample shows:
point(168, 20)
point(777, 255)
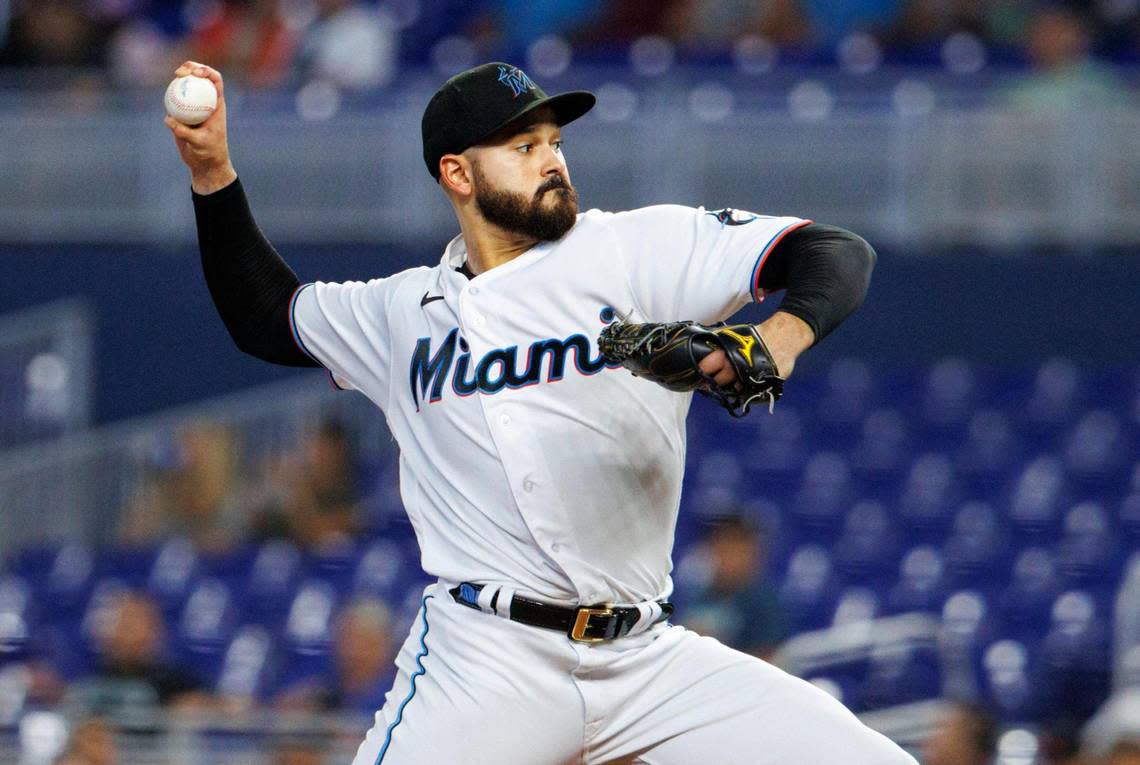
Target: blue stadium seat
point(306, 639)
point(927, 498)
point(1035, 501)
point(1077, 636)
point(848, 393)
point(949, 396)
point(921, 585)
point(1088, 554)
point(271, 582)
point(173, 573)
point(988, 452)
point(1129, 516)
point(883, 450)
point(901, 674)
point(809, 589)
point(248, 664)
point(975, 552)
point(855, 605)
point(868, 547)
point(1026, 604)
point(1007, 680)
point(205, 627)
point(825, 493)
point(779, 449)
point(1055, 399)
point(1097, 453)
point(15, 632)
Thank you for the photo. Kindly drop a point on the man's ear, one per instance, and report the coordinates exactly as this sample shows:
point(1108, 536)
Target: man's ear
point(455, 174)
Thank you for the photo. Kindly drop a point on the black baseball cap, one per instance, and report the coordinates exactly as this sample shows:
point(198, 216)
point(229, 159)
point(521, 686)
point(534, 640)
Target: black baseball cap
point(475, 104)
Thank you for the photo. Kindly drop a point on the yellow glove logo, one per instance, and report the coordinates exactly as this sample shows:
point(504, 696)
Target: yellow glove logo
point(744, 341)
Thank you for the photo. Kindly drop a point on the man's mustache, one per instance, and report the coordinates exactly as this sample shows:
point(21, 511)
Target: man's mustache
point(555, 182)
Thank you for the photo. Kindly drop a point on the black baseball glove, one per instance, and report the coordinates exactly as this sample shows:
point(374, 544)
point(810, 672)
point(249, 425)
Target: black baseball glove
point(670, 355)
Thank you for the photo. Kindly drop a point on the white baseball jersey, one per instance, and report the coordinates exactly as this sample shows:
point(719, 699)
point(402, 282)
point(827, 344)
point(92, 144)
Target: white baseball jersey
point(526, 460)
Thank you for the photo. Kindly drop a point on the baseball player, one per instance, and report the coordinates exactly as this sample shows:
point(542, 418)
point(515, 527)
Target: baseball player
point(542, 478)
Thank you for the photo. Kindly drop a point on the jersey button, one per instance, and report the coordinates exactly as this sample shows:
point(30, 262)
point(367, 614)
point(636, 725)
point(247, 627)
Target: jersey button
point(505, 419)
point(528, 486)
point(477, 319)
point(474, 290)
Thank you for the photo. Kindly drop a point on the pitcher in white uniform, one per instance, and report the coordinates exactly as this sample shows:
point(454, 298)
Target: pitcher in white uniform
point(542, 482)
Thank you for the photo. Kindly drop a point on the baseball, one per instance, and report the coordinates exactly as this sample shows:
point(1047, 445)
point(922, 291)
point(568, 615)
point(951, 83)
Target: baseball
point(191, 100)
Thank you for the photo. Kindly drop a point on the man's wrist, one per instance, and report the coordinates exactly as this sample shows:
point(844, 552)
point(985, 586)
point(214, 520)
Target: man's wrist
point(787, 336)
point(213, 180)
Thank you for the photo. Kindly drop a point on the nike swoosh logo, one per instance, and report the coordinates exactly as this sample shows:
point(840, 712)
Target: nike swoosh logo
point(425, 299)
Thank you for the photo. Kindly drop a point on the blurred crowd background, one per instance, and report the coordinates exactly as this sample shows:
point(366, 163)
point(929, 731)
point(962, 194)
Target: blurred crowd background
point(359, 44)
point(204, 559)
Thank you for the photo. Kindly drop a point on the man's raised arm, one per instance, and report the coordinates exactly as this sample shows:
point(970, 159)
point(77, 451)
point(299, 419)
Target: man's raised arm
point(251, 285)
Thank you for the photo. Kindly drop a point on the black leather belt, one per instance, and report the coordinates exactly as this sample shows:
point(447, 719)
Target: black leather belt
point(584, 624)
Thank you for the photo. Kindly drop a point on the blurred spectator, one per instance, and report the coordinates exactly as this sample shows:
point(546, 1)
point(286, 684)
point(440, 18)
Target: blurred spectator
point(133, 677)
point(300, 750)
point(832, 20)
point(53, 33)
point(313, 493)
point(734, 603)
point(91, 743)
point(348, 45)
point(713, 25)
point(509, 26)
point(364, 650)
point(966, 734)
point(1064, 76)
point(623, 21)
point(249, 41)
point(192, 493)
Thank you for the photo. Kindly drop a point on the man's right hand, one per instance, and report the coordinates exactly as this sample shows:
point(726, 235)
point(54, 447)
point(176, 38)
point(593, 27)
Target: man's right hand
point(203, 147)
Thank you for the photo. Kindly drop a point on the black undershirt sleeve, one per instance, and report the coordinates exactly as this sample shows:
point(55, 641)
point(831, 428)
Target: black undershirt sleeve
point(251, 285)
point(824, 271)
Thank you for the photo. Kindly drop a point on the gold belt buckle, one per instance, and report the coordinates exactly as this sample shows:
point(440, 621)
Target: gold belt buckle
point(582, 623)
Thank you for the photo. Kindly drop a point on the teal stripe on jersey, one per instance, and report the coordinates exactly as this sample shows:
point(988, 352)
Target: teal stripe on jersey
point(412, 692)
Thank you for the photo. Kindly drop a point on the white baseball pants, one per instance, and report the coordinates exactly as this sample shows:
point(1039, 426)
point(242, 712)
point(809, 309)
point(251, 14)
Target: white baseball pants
point(476, 689)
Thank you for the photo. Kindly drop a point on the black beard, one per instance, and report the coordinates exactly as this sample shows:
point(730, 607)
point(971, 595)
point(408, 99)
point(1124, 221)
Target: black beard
point(514, 212)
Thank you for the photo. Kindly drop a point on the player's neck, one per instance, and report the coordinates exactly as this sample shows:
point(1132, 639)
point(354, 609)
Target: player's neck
point(490, 246)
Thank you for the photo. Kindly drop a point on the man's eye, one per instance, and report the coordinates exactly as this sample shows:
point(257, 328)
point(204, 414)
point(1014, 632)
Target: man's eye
point(525, 148)
point(558, 145)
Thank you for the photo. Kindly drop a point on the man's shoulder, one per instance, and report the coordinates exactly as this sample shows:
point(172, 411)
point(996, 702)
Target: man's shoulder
point(639, 222)
point(413, 275)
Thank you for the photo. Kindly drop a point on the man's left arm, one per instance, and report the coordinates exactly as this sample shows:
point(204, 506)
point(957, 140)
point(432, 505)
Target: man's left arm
point(824, 272)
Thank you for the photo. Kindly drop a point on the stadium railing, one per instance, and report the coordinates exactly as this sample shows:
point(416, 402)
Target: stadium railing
point(902, 156)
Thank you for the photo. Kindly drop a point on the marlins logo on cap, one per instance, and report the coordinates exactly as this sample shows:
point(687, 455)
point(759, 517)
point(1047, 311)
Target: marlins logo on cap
point(516, 80)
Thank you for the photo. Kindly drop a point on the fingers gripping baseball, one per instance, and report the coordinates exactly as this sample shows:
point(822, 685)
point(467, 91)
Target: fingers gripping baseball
point(204, 147)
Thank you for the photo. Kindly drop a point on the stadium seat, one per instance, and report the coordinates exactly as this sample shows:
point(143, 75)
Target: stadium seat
point(926, 501)
point(1006, 680)
point(921, 585)
point(1027, 602)
point(247, 666)
point(1087, 555)
point(988, 450)
point(868, 547)
point(1096, 451)
point(1035, 502)
point(901, 674)
point(808, 592)
point(974, 552)
point(205, 627)
point(271, 582)
point(825, 492)
point(948, 396)
point(883, 449)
